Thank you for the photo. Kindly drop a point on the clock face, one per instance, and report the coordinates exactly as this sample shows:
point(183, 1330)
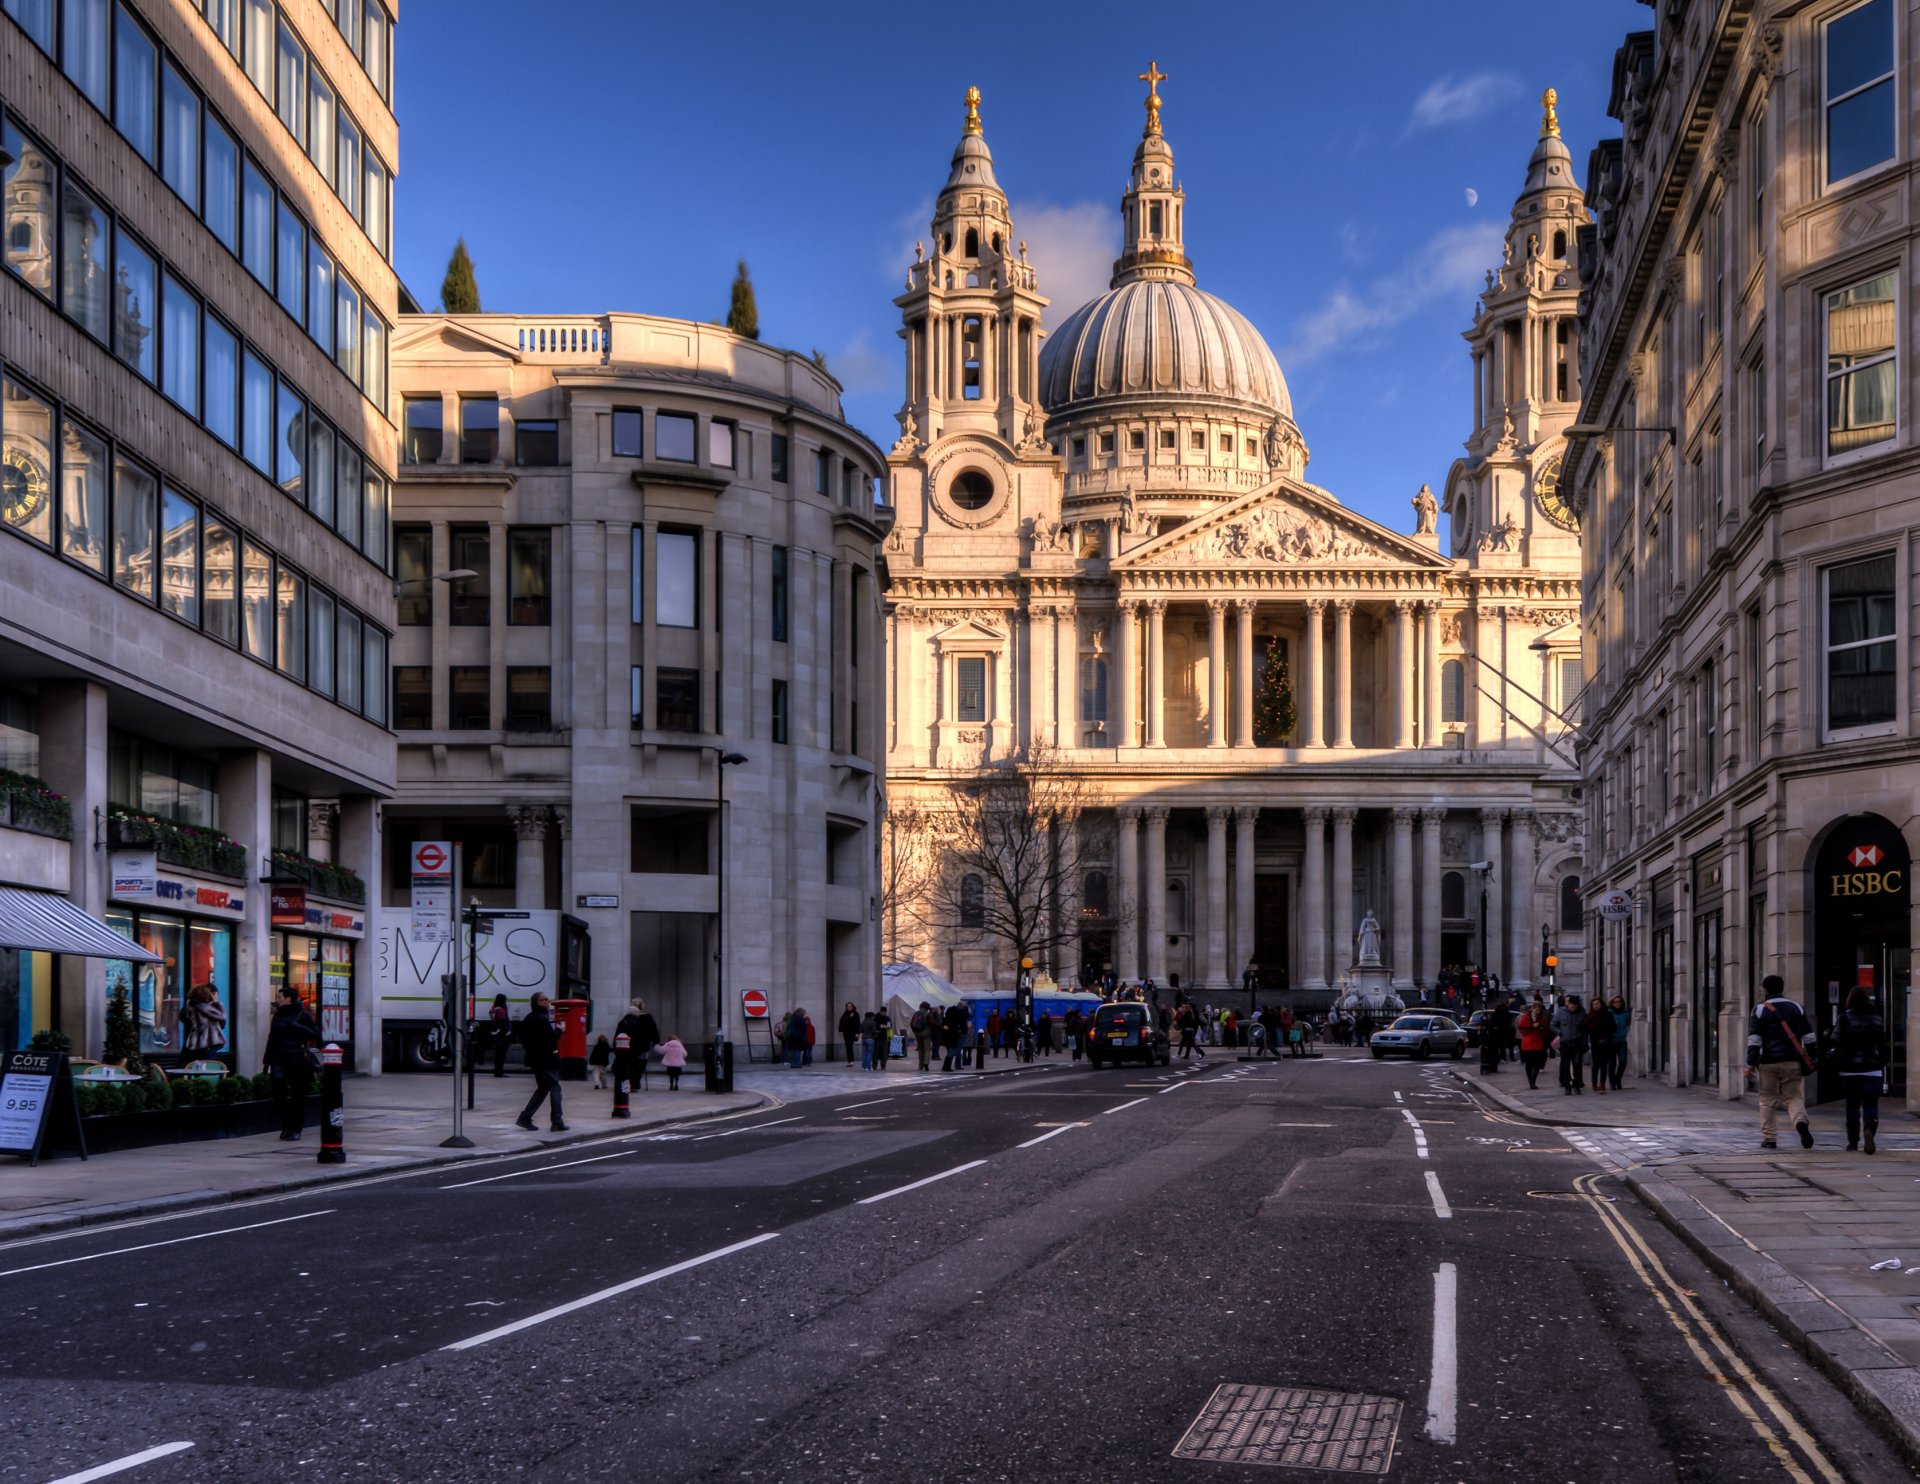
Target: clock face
point(23, 488)
point(1546, 488)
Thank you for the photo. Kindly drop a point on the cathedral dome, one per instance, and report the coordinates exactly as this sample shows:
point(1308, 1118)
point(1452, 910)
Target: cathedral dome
point(1160, 340)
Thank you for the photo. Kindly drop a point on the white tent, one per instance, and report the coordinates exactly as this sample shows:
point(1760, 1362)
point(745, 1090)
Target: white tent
point(906, 985)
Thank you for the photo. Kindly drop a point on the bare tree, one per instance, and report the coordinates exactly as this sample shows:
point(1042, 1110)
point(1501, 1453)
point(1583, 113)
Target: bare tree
point(909, 867)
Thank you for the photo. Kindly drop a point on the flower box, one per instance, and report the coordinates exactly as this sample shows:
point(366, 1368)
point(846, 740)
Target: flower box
point(177, 844)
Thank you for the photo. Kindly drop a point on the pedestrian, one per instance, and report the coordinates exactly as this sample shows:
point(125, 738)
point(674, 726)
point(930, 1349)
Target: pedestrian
point(796, 1038)
point(540, 1044)
point(1568, 1027)
point(500, 1028)
point(952, 1034)
point(1045, 1035)
point(1622, 1023)
point(922, 1027)
point(849, 1030)
point(993, 1032)
point(882, 1038)
point(1780, 1049)
point(643, 1034)
point(289, 1059)
point(806, 1026)
point(1500, 1027)
point(1597, 1024)
point(598, 1059)
point(1535, 1030)
point(1073, 1032)
point(1297, 1032)
point(673, 1058)
point(203, 1020)
point(866, 1042)
point(1859, 1057)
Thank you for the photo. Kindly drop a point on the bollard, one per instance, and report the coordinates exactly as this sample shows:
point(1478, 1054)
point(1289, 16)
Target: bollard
point(622, 1071)
point(333, 1121)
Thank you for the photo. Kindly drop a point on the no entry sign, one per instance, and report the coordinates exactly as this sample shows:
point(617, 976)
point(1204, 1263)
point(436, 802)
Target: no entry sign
point(753, 1004)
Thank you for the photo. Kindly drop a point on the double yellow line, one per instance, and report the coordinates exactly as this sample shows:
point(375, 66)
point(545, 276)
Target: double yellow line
point(1752, 1398)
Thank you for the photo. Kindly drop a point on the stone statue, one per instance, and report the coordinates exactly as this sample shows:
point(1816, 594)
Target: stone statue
point(1049, 534)
point(1369, 939)
point(1506, 252)
point(1426, 510)
point(1274, 447)
point(909, 440)
point(1502, 536)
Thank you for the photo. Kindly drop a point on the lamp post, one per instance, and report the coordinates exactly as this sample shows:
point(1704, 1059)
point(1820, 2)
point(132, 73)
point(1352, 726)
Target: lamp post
point(720, 1052)
point(1484, 870)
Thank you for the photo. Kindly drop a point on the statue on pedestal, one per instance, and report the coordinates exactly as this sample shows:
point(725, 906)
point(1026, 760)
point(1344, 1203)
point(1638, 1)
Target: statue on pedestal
point(1369, 940)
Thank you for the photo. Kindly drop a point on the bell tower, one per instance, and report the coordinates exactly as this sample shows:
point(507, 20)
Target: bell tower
point(1153, 209)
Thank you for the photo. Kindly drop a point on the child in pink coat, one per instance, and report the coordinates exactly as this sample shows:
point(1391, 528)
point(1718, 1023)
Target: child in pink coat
point(673, 1057)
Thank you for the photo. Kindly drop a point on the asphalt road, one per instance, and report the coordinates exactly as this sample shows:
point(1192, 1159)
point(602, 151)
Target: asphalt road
point(1225, 1273)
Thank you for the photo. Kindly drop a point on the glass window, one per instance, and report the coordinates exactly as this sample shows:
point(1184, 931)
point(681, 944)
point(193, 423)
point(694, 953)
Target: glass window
point(256, 222)
point(1453, 691)
point(422, 430)
point(1860, 99)
point(412, 698)
point(529, 698)
point(83, 495)
point(467, 547)
point(290, 623)
point(346, 180)
point(136, 63)
point(258, 49)
point(134, 493)
point(346, 508)
point(676, 556)
point(84, 32)
point(1093, 689)
point(673, 437)
point(346, 329)
point(1861, 341)
point(1861, 644)
point(778, 459)
point(780, 594)
point(778, 716)
point(256, 601)
point(373, 381)
point(26, 463)
point(290, 264)
point(180, 345)
point(224, 17)
point(136, 300)
point(180, 136)
point(822, 472)
point(291, 99)
point(970, 688)
point(637, 573)
point(221, 208)
point(973, 900)
point(290, 443)
point(469, 699)
point(36, 19)
point(320, 640)
point(320, 295)
point(373, 54)
point(373, 204)
point(479, 430)
point(412, 552)
point(626, 432)
point(676, 700)
point(84, 276)
point(30, 195)
point(256, 412)
point(529, 576)
point(375, 544)
point(347, 658)
point(320, 115)
point(720, 444)
point(216, 579)
point(536, 443)
point(346, 15)
point(221, 409)
point(320, 471)
point(373, 672)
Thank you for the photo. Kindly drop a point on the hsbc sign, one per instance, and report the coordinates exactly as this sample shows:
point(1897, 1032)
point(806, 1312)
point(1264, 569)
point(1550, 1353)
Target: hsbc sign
point(1864, 866)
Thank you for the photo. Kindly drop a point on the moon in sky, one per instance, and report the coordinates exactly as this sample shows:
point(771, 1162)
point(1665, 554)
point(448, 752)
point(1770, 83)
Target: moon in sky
point(1473, 196)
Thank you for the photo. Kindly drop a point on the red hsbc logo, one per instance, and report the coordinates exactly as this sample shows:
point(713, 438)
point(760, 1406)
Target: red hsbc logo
point(1862, 856)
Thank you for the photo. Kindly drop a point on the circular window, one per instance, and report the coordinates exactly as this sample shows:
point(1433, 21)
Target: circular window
point(971, 490)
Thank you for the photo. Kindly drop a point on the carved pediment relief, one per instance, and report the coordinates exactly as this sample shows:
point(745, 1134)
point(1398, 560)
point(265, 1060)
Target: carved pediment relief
point(1282, 526)
point(968, 631)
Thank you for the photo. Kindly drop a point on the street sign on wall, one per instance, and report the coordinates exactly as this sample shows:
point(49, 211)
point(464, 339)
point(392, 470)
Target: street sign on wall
point(1616, 905)
point(753, 1004)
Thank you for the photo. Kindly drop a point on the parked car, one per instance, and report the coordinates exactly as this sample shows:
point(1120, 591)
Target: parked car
point(1126, 1032)
point(1476, 1022)
point(1420, 1036)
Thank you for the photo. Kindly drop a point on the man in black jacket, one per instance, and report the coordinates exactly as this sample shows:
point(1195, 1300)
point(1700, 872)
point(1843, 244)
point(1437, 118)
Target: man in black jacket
point(643, 1034)
point(540, 1042)
point(287, 1059)
point(1780, 1047)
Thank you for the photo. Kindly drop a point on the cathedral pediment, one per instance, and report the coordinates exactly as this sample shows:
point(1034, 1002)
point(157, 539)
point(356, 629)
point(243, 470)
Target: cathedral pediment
point(1284, 525)
point(968, 631)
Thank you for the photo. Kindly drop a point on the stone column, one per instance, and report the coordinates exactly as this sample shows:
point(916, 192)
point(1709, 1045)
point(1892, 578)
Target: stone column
point(73, 762)
point(1483, 703)
point(1429, 969)
point(1341, 885)
point(1430, 662)
point(1066, 677)
point(1217, 817)
point(1126, 668)
point(1066, 844)
point(1402, 677)
point(1492, 849)
point(563, 827)
point(1216, 672)
point(1523, 961)
point(1157, 894)
point(1403, 901)
point(1157, 673)
point(1126, 860)
point(1342, 673)
point(1042, 629)
point(356, 845)
point(323, 818)
point(1245, 817)
point(1313, 903)
point(1243, 672)
point(530, 855)
point(1313, 710)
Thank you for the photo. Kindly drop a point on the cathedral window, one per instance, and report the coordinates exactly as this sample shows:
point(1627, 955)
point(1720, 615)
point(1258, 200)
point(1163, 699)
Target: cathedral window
point(970, 688)
point(1080, 448)
point(973, 243)
point(973, 901)
point(1137, 439)
point(1197, 441)
point(1166, 439)
point(971, 489)
point(1253, 448)
point(970, 358)
point(1453, 691)
point(1226, 443)
point(1093, 895)
point(1560, 245)
point(1093, 689)
point(1155, 219)
point(1570, 918)
point(1106, 443)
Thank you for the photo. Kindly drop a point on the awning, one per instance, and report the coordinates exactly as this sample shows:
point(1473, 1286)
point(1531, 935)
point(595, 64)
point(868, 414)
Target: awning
point(50, 924)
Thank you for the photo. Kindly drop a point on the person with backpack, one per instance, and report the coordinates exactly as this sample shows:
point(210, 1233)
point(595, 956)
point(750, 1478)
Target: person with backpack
point(1859, 1057)
point(540, 1043)
point(500, 1028)
point(1780, 1049)
point(922, 1027)
point(796, 1038)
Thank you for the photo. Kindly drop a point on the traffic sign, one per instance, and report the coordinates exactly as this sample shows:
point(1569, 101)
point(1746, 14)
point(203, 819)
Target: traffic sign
point(431, 858)
point(432, 892)
point(1616, 905)
point(753, 1004)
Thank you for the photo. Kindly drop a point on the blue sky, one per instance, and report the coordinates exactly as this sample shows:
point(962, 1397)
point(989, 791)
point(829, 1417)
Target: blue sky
point(609, 154)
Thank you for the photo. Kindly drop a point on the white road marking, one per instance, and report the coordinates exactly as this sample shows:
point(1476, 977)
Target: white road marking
point(120, 1465)
point(1419, 1134)
point(1443, 1390)
point(752, 1126)
point(1398, 1099)
point(539, 1170)
point(1052, 1133)
point(1440, 1206)
point(1122, 1107)
point(607, 1293)
point(868, 1104)
point(887, 1195)
point(170, 1242)
point(1175, 1088)
point(1299, 1125)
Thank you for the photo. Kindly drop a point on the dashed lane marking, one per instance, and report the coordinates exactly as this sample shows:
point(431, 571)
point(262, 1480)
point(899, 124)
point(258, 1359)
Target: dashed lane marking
point(121, 1465)
point(170, 1242)
point(887, 1195)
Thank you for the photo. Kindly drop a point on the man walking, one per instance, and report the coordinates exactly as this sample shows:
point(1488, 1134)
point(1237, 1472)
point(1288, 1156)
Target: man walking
point(540, 1043)
point(1780, 1047)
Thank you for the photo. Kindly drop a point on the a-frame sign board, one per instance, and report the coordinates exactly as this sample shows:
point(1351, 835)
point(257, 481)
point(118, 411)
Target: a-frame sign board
point(36, 1099)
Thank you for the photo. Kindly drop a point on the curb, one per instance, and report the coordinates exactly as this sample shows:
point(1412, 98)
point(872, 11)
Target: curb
point(176, 1202)
point(1571, 1119)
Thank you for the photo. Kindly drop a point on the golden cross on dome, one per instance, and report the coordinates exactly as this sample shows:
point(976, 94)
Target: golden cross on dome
point(1153, 77)
point(972, 125)
point(1549, 119)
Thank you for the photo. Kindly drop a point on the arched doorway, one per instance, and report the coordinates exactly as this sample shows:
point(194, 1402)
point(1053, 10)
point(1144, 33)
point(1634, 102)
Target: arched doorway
point(1862, 874)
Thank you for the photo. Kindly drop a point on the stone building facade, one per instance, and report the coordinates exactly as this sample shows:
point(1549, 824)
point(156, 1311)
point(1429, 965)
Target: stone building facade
point(1106, 543)
point(1751, 516)
point(672, 548)
point(195, 457)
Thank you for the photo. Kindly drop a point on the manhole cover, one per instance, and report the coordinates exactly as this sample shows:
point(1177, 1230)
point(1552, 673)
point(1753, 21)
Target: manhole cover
point(1294, 1429)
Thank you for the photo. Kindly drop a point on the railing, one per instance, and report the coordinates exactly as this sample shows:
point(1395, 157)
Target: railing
point(324, 877)
point(1148, 480)
point(177, 844)
point(28, 804)
point(569, 338)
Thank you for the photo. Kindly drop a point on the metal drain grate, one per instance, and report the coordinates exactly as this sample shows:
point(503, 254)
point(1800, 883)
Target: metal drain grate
point(1294, 1428)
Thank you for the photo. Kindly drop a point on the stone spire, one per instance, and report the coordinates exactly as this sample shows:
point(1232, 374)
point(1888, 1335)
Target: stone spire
point(1153, 209)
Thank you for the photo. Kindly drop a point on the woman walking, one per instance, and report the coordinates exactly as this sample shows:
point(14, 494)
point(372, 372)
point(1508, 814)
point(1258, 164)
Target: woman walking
point(1860, 1055)
point(1598, 1025)
point(1567, 1030)
point(1536, 1036)
point(1622, 1023)
point(849, 1030)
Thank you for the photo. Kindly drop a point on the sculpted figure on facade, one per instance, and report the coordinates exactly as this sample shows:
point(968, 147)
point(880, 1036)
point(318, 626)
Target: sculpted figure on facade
point(1426, 511)
point(909, 440)
point(1502, 536)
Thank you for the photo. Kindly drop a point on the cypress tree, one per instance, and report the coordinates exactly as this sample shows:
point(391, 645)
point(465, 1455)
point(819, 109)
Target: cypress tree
point(1274, 717)
point(459, 294)
point(743, 314)
point(120, 1045)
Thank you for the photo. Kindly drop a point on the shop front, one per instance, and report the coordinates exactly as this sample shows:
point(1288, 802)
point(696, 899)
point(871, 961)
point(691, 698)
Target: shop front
point(182, 1001)
point(1862, 873)
point(313, 951)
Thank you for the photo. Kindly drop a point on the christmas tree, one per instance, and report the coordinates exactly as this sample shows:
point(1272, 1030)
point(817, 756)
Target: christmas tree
point(1273, 713)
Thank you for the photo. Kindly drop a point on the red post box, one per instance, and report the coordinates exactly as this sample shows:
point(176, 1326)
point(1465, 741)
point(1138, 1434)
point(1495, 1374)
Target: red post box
point(572, 1016)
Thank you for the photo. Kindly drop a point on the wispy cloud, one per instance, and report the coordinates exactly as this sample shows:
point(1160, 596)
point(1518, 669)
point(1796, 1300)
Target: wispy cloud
point(1452, 263)
point(861, 369)
point(1073, 246)
point(1457, 100)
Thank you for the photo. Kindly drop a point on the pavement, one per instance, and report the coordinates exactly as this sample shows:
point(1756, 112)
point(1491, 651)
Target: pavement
point(1824, 1242)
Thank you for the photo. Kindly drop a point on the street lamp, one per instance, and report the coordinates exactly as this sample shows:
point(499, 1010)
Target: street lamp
point(1577, 434)
point(720, 1053)
point(1484, 870)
